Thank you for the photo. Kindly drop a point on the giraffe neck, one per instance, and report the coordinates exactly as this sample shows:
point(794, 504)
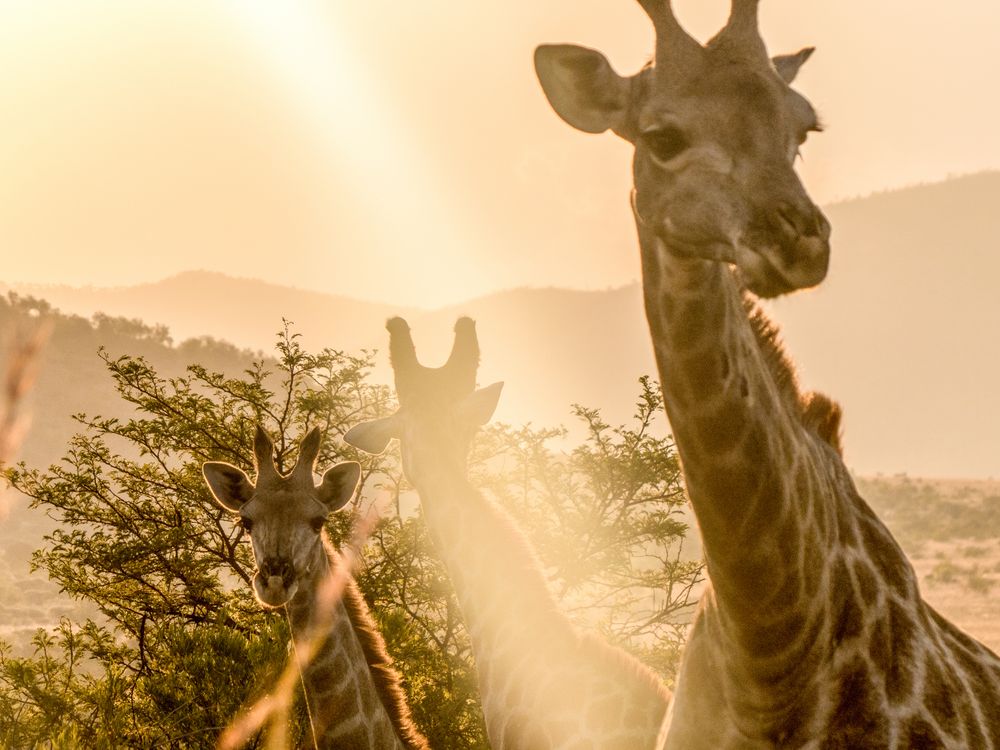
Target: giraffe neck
point(495, 574)
point(813, 630)
point(538, 677)
point(352, 690)
point(758, 477)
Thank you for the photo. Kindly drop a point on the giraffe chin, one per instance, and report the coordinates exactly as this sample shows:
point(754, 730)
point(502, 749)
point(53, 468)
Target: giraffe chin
point(765, 284)
point(762, 272)
point(765, 273)
point(272, 592)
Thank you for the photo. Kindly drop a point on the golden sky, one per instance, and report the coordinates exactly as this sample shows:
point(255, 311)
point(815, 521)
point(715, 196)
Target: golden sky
point(403, 151)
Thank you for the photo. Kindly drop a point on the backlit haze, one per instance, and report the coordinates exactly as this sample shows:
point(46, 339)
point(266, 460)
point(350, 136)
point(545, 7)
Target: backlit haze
point(403, 152)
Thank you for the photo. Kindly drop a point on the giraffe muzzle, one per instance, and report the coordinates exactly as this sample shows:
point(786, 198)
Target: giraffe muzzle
point(275, 582)
point(793, 255)
point(798, 253)
point(808, 264)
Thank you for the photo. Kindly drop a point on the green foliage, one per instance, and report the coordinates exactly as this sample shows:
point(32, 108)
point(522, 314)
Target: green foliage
point(607, 521)
point(180, 645)
point(71, 375)
point(408, 590)
point(54, 695)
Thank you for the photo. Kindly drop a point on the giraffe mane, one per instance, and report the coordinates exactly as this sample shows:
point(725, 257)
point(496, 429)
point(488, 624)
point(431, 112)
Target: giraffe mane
point(616, 658)
point(817, 412)
point(388, 682)
point(822, 414)
point(620, 660)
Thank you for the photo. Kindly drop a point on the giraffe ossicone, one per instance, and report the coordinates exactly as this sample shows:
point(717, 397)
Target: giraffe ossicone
point(813, 633)
point(353, 693)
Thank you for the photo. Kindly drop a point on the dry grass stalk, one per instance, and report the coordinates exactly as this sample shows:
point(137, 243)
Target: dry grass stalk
point(24, 354)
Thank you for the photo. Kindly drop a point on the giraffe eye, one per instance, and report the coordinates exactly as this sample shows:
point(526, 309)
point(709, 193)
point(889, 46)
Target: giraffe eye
point(246, 523)
point(665, 143)
point(317, 524)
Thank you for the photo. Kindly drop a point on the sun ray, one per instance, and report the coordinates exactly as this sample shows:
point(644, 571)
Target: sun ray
point(405, 196)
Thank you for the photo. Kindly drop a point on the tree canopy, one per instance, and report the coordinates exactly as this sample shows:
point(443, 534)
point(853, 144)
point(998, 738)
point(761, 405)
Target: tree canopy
point(181, 646)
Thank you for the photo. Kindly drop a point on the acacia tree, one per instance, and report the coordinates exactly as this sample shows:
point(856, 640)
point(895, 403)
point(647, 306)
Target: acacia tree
point(608, 520)
point(180, 645)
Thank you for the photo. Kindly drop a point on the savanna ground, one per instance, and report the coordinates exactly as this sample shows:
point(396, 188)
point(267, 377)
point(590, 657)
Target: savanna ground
point(950, 529)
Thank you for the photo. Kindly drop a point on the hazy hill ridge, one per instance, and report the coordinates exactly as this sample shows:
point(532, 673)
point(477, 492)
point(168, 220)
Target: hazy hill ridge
point(905, 332)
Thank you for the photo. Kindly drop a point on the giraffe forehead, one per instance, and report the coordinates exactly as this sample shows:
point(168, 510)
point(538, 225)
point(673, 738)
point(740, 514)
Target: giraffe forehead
point(282, 505)
point(431, 410)
point(431, 390)
point(434, 424)
point(717, 96)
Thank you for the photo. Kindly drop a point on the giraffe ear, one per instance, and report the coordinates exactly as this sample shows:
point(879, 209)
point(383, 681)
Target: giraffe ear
point(478, 407)
point(788, 66)
point(230, 487)
point(373, 437)
point(338, 485)
point(582, 87)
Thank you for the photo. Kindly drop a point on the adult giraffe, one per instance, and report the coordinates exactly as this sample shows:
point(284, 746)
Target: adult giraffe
point(544, 685)
point(353, 693)
point(813, 633)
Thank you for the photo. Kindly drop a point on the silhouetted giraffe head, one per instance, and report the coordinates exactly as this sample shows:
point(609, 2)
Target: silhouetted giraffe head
point(439, 408)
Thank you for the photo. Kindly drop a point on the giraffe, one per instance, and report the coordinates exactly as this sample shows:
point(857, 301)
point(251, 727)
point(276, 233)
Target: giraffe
point(353, 692)
point(813, 632)
point(544, 685)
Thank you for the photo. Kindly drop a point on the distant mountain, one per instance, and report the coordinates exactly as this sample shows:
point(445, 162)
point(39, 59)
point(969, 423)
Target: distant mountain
point(247, 312)
point(72, 378)
point(905, 332)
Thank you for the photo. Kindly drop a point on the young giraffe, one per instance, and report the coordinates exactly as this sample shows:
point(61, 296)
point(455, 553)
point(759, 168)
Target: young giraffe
point(544, 685)
point(814, 633)
point(353, 693)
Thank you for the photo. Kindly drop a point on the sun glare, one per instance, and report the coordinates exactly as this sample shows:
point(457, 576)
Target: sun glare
point(307, 46)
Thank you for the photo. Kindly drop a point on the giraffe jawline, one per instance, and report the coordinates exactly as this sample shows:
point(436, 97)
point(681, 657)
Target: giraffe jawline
point(766, 284)
point(761, 274)
point(756, 269)
point(772, 268)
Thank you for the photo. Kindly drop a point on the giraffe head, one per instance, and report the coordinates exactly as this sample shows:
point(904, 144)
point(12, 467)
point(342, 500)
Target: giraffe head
point(283, 515)
point(439, 408)
point(716, 130)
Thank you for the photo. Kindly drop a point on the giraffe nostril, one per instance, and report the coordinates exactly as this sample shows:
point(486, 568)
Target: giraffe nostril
point(280, 569)
point(805, 221)
point(821, 226)
point(786, 219)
